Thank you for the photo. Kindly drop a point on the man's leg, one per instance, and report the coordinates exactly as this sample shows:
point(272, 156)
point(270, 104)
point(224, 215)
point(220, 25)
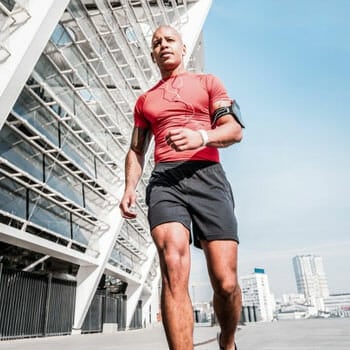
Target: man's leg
point(222, 267)
point(172, 241)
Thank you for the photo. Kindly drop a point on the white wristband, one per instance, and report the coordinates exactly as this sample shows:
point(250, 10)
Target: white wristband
point(204, 136)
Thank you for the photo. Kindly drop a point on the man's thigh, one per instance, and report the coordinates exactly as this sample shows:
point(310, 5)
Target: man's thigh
point(171, 235)
point(172, 242)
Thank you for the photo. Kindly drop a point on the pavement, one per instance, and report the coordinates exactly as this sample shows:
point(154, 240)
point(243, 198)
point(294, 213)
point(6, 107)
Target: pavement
point(312, 334)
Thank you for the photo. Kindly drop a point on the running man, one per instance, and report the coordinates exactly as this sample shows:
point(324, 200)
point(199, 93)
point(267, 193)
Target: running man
point(188, 195)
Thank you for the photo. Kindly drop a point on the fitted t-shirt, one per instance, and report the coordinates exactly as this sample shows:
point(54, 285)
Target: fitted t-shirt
point(181, 101)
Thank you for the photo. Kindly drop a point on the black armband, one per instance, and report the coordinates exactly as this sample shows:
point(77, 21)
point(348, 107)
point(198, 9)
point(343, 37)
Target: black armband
point(140, 140)
point(232, 110)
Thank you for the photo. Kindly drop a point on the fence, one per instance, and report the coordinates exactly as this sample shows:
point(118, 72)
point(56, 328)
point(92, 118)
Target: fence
point(33, 305)
point(111, 309)
point(105, 308)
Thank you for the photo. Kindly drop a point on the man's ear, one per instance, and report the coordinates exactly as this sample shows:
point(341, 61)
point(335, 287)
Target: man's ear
point(184, 49)
point(152, 57)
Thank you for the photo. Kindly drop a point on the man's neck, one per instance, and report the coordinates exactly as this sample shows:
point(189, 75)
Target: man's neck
point(173, 73)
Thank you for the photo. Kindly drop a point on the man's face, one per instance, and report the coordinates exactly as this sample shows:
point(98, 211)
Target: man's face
point(167, 48)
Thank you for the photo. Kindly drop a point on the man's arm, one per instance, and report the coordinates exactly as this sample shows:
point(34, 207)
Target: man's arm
point(228, 130)
point(134, 163)
point(226, 133)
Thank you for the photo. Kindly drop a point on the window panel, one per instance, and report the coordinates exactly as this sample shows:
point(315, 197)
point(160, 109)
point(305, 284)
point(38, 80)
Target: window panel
point(20, 153)
point(75, 150)
point(48, 215)
point(61, 37)
point(63, 182)
point(12, 197)
point(39, 117)
point(94, 203)
point(81, 230)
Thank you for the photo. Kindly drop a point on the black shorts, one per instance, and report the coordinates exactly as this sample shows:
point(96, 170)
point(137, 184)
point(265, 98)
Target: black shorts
point(196, 194)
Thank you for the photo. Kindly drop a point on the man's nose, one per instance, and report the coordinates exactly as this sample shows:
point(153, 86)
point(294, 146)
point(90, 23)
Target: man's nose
point(163, 43)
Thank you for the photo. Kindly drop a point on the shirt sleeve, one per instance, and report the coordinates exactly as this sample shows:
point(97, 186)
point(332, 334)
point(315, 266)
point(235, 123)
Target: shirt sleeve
point(139, 119)
point(217, 93)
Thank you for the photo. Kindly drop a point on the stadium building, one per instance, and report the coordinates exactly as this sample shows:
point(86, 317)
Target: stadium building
point(70, 73)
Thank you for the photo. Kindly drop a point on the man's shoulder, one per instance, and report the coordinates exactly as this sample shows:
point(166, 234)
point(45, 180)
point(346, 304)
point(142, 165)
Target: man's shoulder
point(143, 96)
point(150, 90)
point(210, 76)
point(207, 78)
point(199, 75)
point(147, 95)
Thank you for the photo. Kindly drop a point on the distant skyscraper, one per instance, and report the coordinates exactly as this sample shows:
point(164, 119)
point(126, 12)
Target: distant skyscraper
point(311, 279)
point(256, 292)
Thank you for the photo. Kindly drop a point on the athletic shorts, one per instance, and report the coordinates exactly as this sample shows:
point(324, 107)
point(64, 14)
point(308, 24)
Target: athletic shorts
point(196, 194)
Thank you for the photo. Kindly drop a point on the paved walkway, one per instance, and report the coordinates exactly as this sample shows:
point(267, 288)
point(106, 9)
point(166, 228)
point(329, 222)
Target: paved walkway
point(318, 334)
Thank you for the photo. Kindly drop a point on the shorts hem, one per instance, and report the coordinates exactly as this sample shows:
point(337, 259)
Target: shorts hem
point(167, 222)
point(197, 244)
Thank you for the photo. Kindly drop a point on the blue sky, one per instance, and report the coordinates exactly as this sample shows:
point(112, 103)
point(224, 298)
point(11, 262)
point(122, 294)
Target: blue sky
point(288, 65)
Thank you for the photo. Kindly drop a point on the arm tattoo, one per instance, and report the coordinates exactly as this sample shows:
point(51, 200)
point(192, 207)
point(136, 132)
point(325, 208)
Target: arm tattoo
point(140, 140)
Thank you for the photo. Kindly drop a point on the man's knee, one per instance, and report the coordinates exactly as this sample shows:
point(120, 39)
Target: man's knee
point(173, 261)
point(175, 268)
point(227, 287)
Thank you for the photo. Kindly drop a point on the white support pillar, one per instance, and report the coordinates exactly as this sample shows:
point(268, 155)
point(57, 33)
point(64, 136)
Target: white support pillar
point(192, 28)
point(25, 46)
point(134, 292)
point(88, 276)
point(151, 302)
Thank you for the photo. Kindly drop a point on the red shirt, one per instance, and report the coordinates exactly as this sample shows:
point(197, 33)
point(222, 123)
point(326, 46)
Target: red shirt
point(185, 100)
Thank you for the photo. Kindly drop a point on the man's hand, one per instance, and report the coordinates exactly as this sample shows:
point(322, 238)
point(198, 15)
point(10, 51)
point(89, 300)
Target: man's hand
point(128, 205)
point(184, 139)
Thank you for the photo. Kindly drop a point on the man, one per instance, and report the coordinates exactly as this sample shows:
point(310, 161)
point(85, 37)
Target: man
point(190, 116)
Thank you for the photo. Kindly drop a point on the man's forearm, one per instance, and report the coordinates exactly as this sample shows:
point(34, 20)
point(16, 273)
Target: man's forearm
point(224, 135)
point(133, 169)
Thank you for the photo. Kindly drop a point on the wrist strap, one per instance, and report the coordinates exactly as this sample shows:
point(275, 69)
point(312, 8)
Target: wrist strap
point(204, 136)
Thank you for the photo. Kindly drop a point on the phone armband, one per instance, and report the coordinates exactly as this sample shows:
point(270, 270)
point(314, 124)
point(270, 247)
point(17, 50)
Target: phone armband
point(233, 110)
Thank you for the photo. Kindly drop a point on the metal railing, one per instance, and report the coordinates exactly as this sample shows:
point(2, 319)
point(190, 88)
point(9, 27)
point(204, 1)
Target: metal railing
point(105, 308)
point(33, 305)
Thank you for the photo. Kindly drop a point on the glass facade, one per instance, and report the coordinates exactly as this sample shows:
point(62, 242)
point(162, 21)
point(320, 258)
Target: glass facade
point(63, 145)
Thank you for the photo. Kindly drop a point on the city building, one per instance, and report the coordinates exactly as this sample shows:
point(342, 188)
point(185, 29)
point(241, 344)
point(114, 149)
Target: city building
point(294, 306)
point(293, 298)
point(71, 72)
point(256, 293)
point(203, 313)
point(338, 305)
point(311, 279)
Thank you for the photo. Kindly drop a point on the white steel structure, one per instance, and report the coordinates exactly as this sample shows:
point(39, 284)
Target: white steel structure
point(256, 292)
point(71, 72)
point(311, 279)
